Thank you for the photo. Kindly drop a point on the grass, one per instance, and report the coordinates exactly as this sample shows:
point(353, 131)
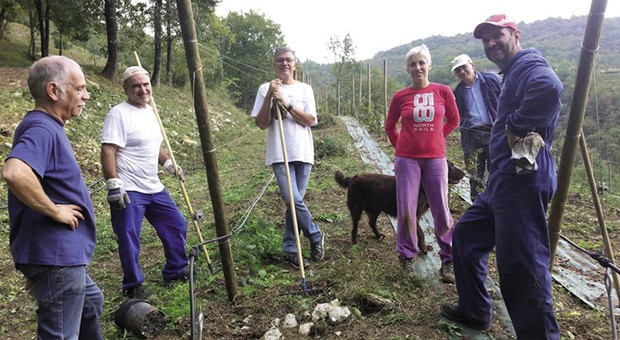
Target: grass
point(349, 273)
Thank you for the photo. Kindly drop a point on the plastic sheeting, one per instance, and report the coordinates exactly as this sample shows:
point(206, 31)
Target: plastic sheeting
point(574, 270)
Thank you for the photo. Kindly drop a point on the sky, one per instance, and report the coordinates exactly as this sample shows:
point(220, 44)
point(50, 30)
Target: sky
point(376, 26)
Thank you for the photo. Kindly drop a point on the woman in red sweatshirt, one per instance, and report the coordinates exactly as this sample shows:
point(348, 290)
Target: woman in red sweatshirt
point(428, 114)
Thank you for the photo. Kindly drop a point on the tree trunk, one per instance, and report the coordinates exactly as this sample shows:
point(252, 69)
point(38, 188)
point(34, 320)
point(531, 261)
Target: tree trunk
point(46, 35)
point(111, 28)
point(60, 43)
point(3, 14)
point(43, 15)
point(168, 43)
point(155, 77)
point(32, 52)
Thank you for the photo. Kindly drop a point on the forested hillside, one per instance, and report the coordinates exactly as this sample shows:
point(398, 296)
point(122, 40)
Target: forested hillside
point(560, 42)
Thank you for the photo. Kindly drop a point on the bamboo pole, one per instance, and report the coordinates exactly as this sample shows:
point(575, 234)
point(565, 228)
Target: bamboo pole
point(181, 180)
point(575, 120)
point(192, 56)
point(597, 206)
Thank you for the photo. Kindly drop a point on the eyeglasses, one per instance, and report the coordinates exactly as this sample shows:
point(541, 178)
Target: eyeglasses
point(285, 60)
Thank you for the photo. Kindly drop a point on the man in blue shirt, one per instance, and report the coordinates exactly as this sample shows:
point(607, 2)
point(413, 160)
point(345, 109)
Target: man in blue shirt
point(52, 222)
point(476, 97)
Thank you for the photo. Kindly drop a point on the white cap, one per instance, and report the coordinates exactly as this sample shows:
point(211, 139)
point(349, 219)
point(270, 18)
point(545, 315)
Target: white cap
point(460, 61)
point(132, 71)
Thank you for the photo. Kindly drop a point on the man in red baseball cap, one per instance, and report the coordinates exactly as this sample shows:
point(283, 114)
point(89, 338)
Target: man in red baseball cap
point(496, 20)
point(510, 215)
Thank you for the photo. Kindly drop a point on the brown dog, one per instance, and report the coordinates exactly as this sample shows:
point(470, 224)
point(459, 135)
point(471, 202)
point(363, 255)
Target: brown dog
point(376, 193)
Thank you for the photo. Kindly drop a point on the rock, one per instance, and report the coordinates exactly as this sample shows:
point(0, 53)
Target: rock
point(322, 310)
point(272, 334)
point(290, 321)
point(338, 314)
point(305, 328)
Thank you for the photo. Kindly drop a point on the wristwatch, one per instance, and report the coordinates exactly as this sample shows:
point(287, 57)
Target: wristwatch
point(290, 107)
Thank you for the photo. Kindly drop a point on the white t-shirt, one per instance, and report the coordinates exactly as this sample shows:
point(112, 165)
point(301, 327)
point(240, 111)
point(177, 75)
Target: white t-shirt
point(298, 138)
point(137, 134)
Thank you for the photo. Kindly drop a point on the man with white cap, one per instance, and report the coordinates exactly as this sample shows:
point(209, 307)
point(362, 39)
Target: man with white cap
point(476, 97)
point(510, 215)
point(131, 149)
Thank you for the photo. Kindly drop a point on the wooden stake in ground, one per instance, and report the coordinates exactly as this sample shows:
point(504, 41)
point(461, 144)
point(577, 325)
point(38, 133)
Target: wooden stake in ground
point(574, 132)
point(194, 67)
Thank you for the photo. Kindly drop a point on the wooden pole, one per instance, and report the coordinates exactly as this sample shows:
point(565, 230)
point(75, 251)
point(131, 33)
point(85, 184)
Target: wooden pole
point(385, 96)
point(369, 89)
point(289, 184)
point(338, 98)
point(597, 206)
point(192, 56)
point(353, 110)
point(575, 120)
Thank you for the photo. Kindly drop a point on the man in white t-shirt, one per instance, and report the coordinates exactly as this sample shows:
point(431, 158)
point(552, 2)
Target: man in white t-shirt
point(130, 152)
point(298, 98)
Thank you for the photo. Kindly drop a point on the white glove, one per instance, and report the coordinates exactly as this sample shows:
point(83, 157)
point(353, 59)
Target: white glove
point(117, 197)
point(170, 168)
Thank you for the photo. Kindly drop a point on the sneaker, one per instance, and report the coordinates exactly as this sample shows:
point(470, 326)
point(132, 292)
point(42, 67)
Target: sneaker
point(447, 272)
point(137, 292)
point(293, 260)
point(316, 249)
point(407, 264)
point(454, 313)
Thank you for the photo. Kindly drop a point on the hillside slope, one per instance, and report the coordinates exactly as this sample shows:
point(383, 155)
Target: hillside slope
point(349, 273)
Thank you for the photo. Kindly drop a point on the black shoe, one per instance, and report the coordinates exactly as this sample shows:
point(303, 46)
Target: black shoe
point(181, 277)
point(138, 292)
point(316, 249)
point(454, 313)
point(293, 259)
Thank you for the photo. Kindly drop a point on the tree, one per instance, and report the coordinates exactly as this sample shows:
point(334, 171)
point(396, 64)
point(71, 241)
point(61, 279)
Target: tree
point(250, 55)
point(155, 77)
point(111, 29)
point(344, 69)
point(43, 9)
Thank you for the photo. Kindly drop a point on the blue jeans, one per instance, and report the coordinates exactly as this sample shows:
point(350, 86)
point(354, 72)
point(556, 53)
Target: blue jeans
point(170, 225)
point(69, 302)
point(300, 173)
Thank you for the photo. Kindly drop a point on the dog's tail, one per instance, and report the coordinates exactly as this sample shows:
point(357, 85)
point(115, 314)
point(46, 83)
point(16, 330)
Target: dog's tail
point(341, 179)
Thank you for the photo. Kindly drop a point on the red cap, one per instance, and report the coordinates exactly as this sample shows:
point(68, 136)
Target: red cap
point(497, 20)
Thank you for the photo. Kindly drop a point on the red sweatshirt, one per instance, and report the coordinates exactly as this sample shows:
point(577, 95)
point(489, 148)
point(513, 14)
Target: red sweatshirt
point(427, 116)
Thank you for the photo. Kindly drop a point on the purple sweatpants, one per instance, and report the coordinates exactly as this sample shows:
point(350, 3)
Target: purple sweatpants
point(432, 174)
point(163, 214)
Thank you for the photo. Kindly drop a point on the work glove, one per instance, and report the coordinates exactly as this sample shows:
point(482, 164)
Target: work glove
point(170, 168)
point(283, 109)
point(117, 196)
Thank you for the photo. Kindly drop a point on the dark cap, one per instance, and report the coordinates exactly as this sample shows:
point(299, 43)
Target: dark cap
point(497, 20)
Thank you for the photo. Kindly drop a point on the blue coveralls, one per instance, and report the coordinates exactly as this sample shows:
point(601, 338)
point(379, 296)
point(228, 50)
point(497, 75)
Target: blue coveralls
point(511, 214)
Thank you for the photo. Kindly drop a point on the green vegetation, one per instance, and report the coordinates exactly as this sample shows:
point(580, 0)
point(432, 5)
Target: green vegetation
point(349, 272)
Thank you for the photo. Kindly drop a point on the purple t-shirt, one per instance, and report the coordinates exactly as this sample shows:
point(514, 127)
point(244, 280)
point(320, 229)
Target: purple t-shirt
point(41, 142)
